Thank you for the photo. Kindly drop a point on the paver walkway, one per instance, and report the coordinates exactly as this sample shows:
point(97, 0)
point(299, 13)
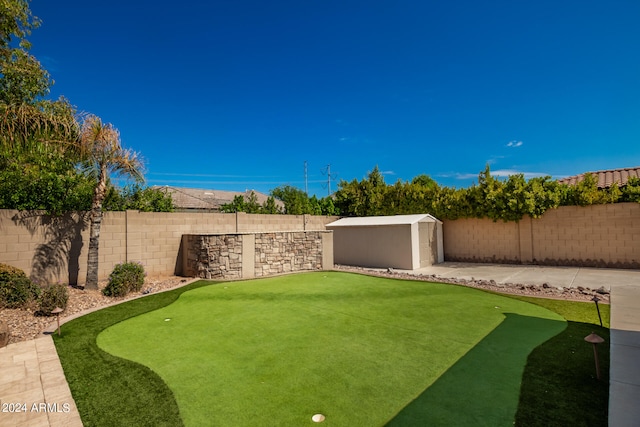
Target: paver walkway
point(33, 389)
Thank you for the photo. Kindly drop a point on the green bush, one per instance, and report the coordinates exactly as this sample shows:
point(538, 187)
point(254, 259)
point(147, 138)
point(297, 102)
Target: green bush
point(125, 278)
point(16, 290)
point(53, 296)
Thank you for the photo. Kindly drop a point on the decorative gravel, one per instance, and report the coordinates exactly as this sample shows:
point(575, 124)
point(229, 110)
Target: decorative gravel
point(542, 291)
point(25, 325)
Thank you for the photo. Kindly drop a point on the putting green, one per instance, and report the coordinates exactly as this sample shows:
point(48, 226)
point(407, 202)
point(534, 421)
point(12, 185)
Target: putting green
point(361, 350)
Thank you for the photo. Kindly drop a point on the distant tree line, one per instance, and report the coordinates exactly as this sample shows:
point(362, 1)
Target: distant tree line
point(294, 202)
point(507, 199)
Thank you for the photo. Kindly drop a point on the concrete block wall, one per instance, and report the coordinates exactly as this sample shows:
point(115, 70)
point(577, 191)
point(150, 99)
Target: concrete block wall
point(154, 238)
point(592, 236)
point(54, 249)
point(597, 236)
point(253, 223)
point(316, 222)
point(480, 240)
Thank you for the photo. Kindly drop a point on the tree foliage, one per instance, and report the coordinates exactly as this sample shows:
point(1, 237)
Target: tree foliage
point(297, 202)
point(137, 197)
point(249, 204)
point(508, 199)
point(22, 78)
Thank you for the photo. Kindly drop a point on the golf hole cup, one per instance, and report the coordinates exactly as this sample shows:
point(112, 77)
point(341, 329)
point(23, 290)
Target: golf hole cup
point(317, 418)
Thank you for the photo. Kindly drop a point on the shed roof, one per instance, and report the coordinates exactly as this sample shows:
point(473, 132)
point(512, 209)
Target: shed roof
point(606, 178)
point(370, 221)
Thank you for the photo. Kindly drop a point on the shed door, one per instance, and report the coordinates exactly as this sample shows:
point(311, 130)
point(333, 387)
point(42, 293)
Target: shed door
point(425, 233)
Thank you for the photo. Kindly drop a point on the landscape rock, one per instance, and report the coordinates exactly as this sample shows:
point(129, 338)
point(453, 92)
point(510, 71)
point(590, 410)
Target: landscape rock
point(543, 291)
point(24, 324)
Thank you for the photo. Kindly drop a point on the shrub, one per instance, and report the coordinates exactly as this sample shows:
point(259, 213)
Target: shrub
point(125, 278)
point(16, 290)
point(53, 296)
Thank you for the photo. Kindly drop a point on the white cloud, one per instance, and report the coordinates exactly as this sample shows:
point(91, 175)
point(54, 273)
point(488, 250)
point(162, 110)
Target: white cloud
point(514, 143)
point(388, 173)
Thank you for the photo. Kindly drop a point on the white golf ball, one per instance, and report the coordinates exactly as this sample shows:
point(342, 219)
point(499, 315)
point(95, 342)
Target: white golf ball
point(318, 418)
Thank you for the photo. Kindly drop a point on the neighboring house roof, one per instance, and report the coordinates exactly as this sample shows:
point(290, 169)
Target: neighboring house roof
point(606, 178)
point(369, 221)
point(198, 198)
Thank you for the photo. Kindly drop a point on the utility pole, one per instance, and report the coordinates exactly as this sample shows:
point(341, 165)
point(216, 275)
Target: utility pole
point(329, 178)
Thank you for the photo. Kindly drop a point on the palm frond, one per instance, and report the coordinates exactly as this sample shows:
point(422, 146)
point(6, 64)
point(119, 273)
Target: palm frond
point(101, 148)
point(28, 127)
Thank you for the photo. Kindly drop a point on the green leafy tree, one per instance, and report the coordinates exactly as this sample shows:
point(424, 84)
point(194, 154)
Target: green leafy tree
point(424, 181)
point(54, 186)
point(244, 203)
point(270, 206)
point(452, 203)
point(251, 204)
point(137, 197)
point(38, 155)
point(102, 155)
point(362, 198)
point(296, 201)
point(327, 207)
point(543, 194)
point(236, 205)
point(585, 193)
point(22, 78)
point(314, 206)
point(631, 191)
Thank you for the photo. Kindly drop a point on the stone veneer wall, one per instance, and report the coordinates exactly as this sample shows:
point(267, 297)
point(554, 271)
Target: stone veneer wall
point(277, 253)
point(213, 257)
point(248, 255)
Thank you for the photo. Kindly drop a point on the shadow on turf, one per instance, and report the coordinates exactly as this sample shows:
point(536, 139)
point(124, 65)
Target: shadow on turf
point(482, 388)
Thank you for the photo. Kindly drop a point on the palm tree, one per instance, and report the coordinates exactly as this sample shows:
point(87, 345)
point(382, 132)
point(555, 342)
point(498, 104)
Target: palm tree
point(102, 155)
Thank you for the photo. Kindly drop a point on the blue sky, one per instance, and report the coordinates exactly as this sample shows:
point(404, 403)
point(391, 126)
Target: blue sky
point(238, 94)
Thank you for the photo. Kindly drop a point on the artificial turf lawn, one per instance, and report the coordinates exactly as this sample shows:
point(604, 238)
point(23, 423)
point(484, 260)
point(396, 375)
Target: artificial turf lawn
point(559, 385)
point(364, 351)
point(108, 390)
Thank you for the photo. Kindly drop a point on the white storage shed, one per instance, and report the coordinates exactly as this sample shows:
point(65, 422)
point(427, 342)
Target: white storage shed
point(405, 242)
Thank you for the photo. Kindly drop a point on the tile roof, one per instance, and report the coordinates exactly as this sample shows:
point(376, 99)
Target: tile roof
point(606, 178)
point(198, 198)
